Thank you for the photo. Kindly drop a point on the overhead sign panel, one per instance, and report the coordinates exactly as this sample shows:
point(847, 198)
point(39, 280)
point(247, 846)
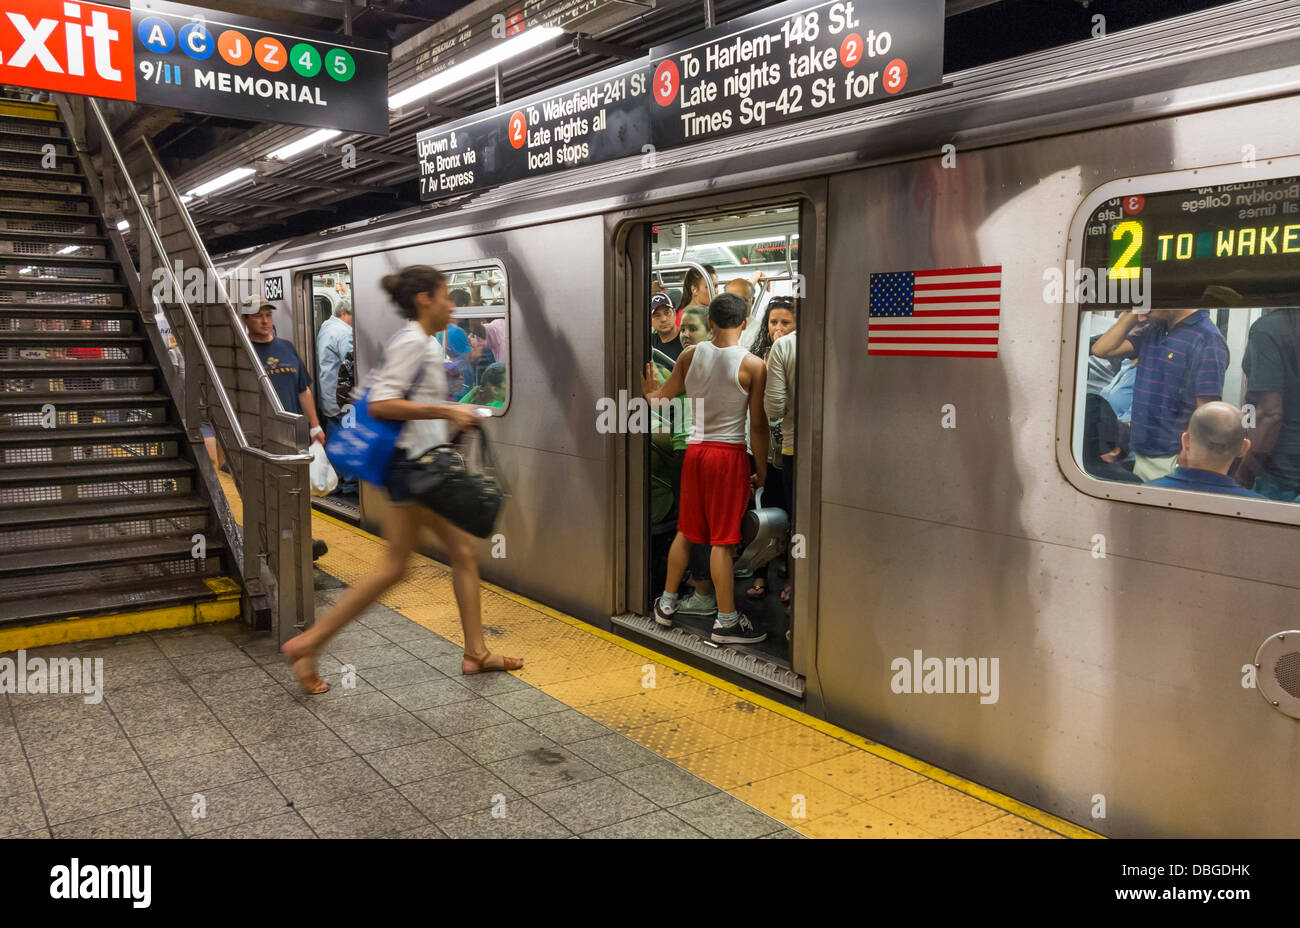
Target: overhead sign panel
point(791, 61)
point(588, 121)
point(169, 54)
point(209, 62)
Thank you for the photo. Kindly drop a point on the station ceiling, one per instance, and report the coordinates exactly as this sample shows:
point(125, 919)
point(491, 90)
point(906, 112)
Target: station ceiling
point(313, 191)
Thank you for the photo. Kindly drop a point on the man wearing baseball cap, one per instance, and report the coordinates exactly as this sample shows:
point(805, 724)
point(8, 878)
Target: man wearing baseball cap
point(663, 319)
point(288, 375)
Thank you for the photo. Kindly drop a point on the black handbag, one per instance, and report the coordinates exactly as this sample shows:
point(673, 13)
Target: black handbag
point(443, 482)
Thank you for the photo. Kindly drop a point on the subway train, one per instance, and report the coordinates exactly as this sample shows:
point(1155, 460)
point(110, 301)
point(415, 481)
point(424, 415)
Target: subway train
point(1109, 631)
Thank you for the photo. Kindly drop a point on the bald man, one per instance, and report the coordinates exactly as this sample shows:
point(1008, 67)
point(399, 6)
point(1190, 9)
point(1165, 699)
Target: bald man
point(743, 289)
point(1213, 441)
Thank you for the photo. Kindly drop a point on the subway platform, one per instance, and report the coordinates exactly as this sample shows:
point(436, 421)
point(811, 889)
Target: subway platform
point(202, 732)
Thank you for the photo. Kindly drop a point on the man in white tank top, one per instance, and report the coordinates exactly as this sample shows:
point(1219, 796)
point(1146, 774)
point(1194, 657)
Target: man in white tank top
point(724, 381)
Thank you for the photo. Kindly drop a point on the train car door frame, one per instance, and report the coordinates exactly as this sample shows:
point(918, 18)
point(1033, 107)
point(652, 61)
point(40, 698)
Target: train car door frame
point(627, 288)
point(304, 338)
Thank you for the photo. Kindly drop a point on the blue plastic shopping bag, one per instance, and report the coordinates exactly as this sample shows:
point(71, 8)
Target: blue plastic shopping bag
point(364, 448)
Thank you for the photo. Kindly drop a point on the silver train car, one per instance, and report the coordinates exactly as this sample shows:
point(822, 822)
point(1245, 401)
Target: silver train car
point(1124, 620)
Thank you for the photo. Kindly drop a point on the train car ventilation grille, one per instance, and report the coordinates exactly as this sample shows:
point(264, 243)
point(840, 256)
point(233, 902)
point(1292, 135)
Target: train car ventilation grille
point(1278, 672)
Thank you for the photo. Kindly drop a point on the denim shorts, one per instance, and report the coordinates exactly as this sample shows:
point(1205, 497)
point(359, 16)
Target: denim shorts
point(398, 479)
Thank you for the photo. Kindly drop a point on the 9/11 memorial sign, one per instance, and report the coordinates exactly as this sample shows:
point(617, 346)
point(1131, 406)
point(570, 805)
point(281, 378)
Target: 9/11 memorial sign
point(169, 54)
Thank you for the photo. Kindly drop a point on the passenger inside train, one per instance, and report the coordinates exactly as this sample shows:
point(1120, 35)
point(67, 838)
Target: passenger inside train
point(753, 259)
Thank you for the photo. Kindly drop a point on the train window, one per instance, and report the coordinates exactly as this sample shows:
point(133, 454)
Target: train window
point(477, 340)
point(1188, 373)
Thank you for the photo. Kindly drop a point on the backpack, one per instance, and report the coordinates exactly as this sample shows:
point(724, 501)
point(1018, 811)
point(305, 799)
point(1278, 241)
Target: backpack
point(347, 380)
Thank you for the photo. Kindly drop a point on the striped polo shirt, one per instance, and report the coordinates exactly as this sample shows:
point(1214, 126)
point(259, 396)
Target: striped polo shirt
point(1174, 367)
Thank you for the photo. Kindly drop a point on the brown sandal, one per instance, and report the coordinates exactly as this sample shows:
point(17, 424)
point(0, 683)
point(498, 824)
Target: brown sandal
point(482, 665)
point(310, 683)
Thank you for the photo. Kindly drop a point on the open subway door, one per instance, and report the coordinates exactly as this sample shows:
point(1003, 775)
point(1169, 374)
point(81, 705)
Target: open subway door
point(677, 266)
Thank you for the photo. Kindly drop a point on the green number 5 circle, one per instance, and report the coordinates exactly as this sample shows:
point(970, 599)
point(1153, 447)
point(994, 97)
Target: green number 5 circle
point(339, 65)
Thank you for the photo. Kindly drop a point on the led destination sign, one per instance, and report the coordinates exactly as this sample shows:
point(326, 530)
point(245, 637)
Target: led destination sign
point(795, 60)
point(1234, 244)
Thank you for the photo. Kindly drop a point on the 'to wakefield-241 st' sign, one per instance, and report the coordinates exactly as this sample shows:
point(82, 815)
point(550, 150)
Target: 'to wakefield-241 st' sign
point(169, 54)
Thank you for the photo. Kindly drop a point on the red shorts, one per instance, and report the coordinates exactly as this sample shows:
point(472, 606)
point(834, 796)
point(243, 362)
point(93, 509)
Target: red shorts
point(715, 492)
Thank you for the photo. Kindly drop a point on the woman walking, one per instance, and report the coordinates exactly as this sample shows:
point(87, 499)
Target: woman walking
point(410, 387)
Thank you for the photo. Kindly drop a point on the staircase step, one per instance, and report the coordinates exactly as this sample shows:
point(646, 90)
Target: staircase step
point(29, 528)
point(132, 551)
point(76, 349)
point(109, 511)
point(107, 577)
point(16, 226)
point(30, 164)
point(145, 596)
point(21, 437)
point(65, 339)
point(11, 124)
point(72, 473)
point(31, 145)
point(40, 284)
point(49, 217)
point(27, 447)
point(87, 400)
point(54, 260)
point(79, 368)
point(59, 484)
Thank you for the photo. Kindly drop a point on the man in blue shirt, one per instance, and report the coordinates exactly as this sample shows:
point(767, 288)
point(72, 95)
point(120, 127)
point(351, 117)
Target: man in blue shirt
point(1214, 439)
point(1181, 361)
point(334, 346)
point(288, 377)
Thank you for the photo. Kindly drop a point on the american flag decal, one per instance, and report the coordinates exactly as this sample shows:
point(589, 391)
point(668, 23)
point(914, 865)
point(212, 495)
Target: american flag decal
point(949, 313)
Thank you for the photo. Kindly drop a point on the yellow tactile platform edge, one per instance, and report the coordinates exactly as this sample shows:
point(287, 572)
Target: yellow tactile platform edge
point(819, 779)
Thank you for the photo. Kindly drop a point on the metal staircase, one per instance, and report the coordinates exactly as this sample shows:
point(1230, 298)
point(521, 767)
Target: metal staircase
point(100, 503)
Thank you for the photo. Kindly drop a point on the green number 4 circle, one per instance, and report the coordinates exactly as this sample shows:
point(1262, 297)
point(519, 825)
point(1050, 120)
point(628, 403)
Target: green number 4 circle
point(339, 65)
point(305, 59)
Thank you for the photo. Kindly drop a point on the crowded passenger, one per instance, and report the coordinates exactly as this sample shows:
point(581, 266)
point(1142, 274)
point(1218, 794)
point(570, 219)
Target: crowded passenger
point(695, 326)
point(410, 387)
point(1272, 369)
point(491, 389)
point(335, 355)
point(286, 372)
point(1213, 441)
point(726, 381)
point(778, 348)
point(664, 322)
point(695, 290)
point(1181, 359)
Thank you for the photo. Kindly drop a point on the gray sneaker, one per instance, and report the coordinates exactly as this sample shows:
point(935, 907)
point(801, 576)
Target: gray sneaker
point(741, 631)
point(698, 604)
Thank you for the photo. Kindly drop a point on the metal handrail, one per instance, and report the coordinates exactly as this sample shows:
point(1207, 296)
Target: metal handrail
point(685, 266)
point(236, 323)
point(208, 364)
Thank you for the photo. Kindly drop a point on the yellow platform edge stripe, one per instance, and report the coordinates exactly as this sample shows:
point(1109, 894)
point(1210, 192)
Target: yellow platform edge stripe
point(64, 631)
point(992, 797)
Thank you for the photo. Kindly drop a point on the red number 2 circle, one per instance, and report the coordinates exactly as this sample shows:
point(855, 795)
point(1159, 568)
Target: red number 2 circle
point(518, 129)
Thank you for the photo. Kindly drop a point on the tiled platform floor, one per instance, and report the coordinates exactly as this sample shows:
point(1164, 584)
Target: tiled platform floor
point(202, 733)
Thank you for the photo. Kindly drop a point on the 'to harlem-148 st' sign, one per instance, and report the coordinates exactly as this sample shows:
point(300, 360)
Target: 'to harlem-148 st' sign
point(791, 61)
point(169, 54)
